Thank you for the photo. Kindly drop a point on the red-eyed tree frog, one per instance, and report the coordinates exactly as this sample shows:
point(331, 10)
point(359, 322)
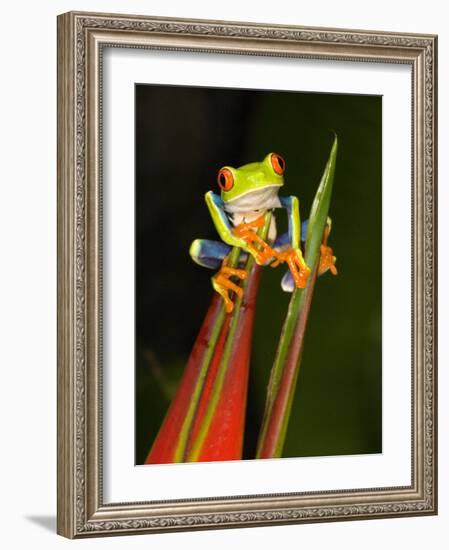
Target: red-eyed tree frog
point(247, 193)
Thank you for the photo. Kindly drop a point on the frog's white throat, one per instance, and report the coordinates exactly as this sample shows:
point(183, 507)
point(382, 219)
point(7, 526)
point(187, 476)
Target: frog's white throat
point(253, 204)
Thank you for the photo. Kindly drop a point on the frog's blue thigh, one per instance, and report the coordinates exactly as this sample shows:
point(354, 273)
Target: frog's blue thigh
point(209, 253)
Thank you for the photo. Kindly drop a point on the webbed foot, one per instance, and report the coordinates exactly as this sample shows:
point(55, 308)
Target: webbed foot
point(256, 246)
point(327, 258)
point(295, 261)
point(298, 267)
point(223, 284)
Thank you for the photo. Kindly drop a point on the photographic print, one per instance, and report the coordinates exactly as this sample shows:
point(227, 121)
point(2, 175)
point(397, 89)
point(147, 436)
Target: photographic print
point(258, 274)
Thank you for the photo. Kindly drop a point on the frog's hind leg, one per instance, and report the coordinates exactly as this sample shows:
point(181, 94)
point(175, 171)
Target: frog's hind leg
point(209, 254)
point(282, 243)
point(287, 282)
point(213, 255)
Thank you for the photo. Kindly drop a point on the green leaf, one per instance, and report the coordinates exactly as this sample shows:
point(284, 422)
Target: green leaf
point(284, 373)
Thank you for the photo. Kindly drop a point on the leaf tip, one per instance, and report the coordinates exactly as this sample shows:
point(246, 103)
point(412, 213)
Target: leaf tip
point(335, 144)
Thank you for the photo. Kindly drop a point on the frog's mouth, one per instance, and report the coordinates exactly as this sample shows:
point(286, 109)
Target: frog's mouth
point(258, 200)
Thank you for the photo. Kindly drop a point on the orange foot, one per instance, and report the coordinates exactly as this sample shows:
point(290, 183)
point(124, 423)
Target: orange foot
point(258, 248)
point(222, 284)
point(298, 267)
point(327, 260)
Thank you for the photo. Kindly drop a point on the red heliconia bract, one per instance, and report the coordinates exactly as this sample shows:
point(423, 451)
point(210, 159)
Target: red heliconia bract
point(224, 438)
point(164, 446)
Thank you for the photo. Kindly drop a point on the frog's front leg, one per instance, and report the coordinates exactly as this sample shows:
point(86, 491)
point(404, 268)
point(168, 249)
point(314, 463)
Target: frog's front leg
point(255, 245)
point(291, 252)
point(214, 255)
point(327, 258)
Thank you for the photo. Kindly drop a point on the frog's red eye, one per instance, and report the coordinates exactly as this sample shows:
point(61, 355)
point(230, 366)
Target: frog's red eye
point(278, 163)
point(225, 179)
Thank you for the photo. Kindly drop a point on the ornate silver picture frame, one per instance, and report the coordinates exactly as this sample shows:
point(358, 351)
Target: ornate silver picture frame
point(82, 41)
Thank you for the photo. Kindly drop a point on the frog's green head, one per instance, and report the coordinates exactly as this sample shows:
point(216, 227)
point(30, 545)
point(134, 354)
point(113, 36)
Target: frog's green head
point(253, 179)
